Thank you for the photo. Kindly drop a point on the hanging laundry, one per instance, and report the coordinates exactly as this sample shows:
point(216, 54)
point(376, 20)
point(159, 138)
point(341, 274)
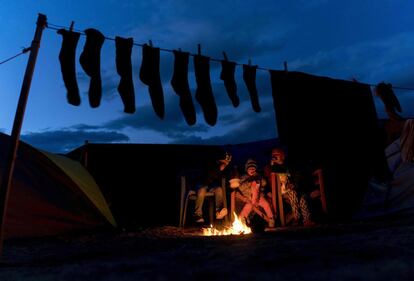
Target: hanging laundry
point(228, 69)
point(67, 64)
point(204, 93)
point(333, 124)
point(90, 60)
point(150, 76)
point(179, 82)
point(249, 77)
point(391, 103)
point(123, 48)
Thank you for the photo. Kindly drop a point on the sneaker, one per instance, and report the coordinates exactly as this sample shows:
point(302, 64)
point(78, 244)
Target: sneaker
point(198, 219)
point(221, 214)
point(271, 223)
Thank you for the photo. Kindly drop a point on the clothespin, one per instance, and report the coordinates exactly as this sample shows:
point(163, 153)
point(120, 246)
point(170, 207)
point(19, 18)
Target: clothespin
point(71, 26)
point(285, 66)
point(199, 49)
point(150, 42)
point(25, 50)
point(225, 56)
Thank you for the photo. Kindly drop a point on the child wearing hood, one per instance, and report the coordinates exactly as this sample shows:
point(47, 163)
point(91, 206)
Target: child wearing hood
point(250, 188)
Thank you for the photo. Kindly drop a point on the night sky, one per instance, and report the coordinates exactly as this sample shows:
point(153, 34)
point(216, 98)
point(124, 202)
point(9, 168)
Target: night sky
point(370, 41)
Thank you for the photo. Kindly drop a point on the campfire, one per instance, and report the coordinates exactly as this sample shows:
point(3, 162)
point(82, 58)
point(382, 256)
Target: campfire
point(236, 228)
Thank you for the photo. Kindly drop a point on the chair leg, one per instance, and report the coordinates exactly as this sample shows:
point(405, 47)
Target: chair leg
point(185, 210)
point(274, 193)
point(223, 188)
point(280, 203)
point(182, 200)
point(211, 211)
point(232, 205)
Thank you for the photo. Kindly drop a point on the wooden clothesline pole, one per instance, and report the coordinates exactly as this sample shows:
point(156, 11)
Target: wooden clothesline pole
point(17, 124)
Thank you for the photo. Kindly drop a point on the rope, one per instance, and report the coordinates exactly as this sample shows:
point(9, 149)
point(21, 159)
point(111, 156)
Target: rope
point(57, 27)
point(25, 50)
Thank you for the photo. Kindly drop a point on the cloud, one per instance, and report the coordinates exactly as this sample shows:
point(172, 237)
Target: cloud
point(387, 59)
point(65, 140)
point(237, 125)
point(214, 28)
point(246, 130)
point(110, 82)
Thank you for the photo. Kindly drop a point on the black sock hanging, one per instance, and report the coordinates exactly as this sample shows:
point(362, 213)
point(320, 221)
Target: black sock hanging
point(67, 64)
point(123, 48)
point(249, 77)
point(150, 75)
point(179, 82)
point(204, 94)
point(228, 69)
point(90, 60)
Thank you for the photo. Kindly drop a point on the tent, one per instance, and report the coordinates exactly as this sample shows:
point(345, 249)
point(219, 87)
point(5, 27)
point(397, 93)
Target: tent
point(51, 194)
point(394, 198)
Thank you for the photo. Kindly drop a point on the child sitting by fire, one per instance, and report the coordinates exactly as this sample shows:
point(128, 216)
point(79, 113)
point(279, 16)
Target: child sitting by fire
point(251, 193)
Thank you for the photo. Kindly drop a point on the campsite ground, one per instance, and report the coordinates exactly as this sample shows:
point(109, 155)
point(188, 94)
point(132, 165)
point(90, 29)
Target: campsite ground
point(382, 250)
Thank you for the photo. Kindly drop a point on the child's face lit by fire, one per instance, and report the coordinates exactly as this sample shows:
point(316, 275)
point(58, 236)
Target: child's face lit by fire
point(278, 157)
point(251, 171)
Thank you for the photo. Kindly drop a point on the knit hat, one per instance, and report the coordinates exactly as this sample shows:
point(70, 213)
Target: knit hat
point(250, 163)
point(226, 157)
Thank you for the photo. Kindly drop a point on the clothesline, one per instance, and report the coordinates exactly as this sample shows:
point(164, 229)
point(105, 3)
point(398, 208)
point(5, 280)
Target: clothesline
point(57, 27)
point(25, 50)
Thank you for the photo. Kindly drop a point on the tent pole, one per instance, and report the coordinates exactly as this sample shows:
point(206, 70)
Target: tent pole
point(17, 124)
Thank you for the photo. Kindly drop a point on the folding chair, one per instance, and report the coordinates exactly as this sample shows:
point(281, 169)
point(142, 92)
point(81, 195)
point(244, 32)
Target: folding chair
point(277, 198)
point(189, 194)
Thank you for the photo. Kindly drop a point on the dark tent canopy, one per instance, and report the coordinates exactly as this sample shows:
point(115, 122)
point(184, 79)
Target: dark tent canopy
point(50, 194)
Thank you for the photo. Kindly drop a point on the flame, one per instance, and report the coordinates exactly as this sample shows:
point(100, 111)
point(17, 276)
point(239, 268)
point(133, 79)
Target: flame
point(237, 228)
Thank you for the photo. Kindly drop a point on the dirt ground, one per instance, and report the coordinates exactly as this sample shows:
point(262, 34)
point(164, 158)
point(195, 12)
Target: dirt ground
point(382, 250)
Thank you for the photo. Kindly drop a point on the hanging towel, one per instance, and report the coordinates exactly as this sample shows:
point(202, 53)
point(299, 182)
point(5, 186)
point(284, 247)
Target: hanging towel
point(204, 93)
point(150, 76)
point(67, 64)
point(90, 60)
point(179, 82)
point(332, 123)
point(228, 69)
point(249, 77)
point(123, 48)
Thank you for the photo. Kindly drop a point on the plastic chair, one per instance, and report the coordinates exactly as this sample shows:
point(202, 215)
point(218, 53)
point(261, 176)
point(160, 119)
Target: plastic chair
point(277, 198)
point(188, 194)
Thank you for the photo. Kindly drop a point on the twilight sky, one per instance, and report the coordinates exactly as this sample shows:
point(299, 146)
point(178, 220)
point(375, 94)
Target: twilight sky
point(371, 41)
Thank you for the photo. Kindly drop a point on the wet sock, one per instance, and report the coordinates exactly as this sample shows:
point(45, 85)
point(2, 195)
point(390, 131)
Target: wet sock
point(67, 64)
point(204, 93)
point(90, 60)
point(124, 68)
point(249, 77)
point(179, 82)
point(150, 76)
point(228, 69)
